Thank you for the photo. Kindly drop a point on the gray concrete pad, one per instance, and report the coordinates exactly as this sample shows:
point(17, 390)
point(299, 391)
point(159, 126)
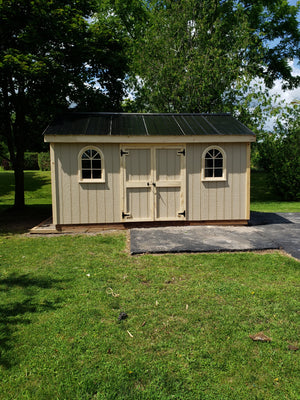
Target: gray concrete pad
point(268, 231)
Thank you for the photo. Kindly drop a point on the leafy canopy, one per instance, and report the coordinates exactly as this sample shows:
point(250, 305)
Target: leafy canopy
point(192, 55)
point(53, 55)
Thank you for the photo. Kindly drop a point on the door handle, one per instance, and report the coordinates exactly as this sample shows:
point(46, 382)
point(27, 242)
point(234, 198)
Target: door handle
point(154, 184)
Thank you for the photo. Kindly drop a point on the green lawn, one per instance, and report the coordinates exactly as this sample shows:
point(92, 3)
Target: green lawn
point(187, 331)
point(189, 316)
point(37, 188)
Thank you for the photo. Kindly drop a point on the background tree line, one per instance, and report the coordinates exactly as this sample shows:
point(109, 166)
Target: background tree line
point(149, 56)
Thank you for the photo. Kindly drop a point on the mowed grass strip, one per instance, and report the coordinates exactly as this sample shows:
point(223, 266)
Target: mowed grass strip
point(187, 331)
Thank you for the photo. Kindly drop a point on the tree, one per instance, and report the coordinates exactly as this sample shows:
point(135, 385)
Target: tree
point(279, 154)
point(53, 55)
point(192, 55)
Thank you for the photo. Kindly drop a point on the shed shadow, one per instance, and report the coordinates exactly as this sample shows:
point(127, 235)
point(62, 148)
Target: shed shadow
point(266, 218)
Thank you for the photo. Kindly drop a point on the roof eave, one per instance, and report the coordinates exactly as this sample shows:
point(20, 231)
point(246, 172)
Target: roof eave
point(164, 139)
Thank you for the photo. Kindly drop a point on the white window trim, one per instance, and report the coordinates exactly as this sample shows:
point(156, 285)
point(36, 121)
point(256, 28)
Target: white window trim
point(80, 179)
point(214, 179)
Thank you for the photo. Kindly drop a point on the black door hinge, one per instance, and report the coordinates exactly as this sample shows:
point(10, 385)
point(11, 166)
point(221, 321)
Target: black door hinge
point(182, 213)
point(125, 215)
point(181, 152)
point(124, 153)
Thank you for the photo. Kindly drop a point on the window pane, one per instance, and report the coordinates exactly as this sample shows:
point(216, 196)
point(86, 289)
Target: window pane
point(218, 172)
point(97, 156)
point(209, 154)
point(219, 155)
point(96, 164)
point(97, 174)
point(86, 164)
point(218, 163)
point(209, 173)
point(209, 163)
point(93, 153)
point(85, 156)
point(86, 174)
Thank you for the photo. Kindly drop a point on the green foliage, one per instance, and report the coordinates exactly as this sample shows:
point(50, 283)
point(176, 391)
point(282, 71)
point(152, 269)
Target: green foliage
point(191, 56)
point(31, 161)
point(44, 161)
point(265, 197)
point(280, 156)
point(51, 55)
point(190, 317)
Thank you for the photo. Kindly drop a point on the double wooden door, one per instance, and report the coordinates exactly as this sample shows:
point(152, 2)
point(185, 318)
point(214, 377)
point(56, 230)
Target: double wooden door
point(153, 183)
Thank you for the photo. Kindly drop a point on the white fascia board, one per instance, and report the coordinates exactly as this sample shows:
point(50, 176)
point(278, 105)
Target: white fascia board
point(149, 139)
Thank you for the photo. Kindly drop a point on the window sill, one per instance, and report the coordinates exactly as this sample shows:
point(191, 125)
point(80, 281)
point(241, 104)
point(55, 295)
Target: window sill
point(91, 181)
point(213, 179)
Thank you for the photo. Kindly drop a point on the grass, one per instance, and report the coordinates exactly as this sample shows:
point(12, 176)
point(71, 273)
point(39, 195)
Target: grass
point(190, 317)
point(37, 188)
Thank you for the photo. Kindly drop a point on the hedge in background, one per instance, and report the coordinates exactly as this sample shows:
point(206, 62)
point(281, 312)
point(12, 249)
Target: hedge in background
point(31, 161)
point(44, 161)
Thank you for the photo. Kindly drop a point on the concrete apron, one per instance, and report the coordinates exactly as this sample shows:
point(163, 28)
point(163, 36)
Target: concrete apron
point(281, 231)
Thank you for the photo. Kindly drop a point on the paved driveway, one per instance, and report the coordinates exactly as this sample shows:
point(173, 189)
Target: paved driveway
point(265, 231)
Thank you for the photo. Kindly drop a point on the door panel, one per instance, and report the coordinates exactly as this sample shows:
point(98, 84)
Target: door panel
point(138, 203)
point(138, 165)
point(168, 165)
point(167, 203)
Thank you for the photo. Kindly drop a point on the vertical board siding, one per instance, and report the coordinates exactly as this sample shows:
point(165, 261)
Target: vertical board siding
point(83, 203)
point(219, 200)
point(54, 179)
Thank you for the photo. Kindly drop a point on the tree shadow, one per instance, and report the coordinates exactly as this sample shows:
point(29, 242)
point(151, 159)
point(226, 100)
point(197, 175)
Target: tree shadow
point(20, 221)
point(33, 181)
point(16, 313)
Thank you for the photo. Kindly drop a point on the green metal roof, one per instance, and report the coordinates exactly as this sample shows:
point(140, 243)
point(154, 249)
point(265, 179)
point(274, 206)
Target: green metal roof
point(125, 124)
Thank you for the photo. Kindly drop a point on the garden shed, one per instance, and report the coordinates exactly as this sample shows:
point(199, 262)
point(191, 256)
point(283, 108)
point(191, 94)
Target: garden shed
point(127, 169)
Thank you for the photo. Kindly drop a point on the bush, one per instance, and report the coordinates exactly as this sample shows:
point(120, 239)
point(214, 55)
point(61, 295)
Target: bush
point(31, 161)
point(280, 156)
point(5, 164)
point(44, 161)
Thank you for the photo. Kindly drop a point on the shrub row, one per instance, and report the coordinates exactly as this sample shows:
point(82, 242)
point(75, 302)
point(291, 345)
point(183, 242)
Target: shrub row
point(32, 161)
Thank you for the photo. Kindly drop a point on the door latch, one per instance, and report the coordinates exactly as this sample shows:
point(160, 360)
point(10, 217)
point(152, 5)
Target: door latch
point(125, 215)
point(181, 214)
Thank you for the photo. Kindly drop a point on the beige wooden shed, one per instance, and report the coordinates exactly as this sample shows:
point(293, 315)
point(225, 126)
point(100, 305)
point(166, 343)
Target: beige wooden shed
point(128, 169)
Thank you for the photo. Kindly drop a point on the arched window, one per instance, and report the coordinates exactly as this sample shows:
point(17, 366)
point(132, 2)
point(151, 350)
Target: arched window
point(213, 164)
point(91, 165)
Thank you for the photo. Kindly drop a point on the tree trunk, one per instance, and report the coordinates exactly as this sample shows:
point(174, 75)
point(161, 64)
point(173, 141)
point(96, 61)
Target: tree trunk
point(19, 128)
point(19, 182)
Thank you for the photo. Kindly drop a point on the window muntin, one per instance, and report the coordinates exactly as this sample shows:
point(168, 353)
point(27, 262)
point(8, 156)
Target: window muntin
point(91, 165)
point(213, 164)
